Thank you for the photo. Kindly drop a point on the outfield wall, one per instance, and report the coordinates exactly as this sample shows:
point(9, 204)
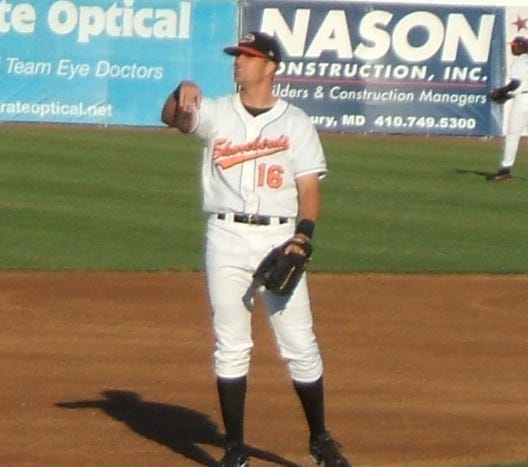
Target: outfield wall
point(354, 66)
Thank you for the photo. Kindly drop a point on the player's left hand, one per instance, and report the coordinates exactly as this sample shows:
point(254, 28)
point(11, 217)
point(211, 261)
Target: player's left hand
point(282, 268)
point(297, 245)
point(499, 95)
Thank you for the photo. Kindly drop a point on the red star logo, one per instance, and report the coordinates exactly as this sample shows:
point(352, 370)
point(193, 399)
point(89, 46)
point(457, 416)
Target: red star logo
point(521, 23)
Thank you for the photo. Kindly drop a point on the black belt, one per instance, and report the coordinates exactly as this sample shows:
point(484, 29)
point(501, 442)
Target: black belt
point(253, 219)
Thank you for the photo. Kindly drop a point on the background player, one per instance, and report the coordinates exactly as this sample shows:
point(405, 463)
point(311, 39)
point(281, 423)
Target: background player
point(518, 119)
point(261, 169)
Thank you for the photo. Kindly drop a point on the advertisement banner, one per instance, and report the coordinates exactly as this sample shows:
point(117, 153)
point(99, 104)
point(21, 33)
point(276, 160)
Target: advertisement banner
point(109, 62)
point(387, 67)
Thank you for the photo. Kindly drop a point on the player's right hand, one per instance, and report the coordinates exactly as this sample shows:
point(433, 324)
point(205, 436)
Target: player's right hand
point(190, 96)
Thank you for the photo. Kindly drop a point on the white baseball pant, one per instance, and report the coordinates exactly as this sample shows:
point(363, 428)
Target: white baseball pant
point(517, 122)
point(233, 251)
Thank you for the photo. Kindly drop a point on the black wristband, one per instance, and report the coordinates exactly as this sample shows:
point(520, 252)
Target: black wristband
point(305, 227)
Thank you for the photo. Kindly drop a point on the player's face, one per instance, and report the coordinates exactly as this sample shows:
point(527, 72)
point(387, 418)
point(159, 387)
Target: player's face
point(517, 48)
point(251, 70)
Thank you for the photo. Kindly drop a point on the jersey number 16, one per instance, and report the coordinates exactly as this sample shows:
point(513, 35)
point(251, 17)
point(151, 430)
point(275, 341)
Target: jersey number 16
point(271, 176)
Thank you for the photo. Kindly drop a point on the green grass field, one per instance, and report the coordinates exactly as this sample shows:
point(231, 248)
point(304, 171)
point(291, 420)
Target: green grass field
point(129, 199)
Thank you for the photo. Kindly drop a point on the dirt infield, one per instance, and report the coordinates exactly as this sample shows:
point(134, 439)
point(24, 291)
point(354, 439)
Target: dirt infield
point(115, 369)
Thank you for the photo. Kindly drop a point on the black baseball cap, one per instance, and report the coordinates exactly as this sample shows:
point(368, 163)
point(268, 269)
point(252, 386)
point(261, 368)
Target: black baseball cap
point(257, 44)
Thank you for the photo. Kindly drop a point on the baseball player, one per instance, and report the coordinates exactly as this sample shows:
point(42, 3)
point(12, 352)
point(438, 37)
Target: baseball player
point(517, 89)
point(262, 163)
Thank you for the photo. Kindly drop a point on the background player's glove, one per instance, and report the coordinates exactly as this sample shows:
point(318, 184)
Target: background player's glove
point(280, 272)
point(499, 95)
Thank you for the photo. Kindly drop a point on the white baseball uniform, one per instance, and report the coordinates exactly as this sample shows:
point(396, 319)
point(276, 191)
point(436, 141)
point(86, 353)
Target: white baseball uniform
point(518, 119)
point(249, 168)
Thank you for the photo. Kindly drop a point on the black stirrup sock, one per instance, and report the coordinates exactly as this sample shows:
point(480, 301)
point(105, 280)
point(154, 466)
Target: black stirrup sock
point(312, 400)
point(232, 396)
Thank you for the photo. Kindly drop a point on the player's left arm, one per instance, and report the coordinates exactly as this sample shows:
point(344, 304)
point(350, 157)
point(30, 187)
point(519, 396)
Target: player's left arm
point(309, 196)
point(309, 199)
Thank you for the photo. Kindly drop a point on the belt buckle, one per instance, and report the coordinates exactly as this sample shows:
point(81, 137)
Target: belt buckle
point(253, 219)
point(257, 219)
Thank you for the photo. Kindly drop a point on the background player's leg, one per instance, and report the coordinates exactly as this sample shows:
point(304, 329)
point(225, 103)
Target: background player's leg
point(516, 124)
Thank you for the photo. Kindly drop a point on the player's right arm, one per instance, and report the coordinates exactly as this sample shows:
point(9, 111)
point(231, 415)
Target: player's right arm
point(180, 108)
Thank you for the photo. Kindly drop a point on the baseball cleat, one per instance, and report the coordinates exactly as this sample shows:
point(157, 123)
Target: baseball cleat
point(499, 176)
point(324, 449)
point(235, 456)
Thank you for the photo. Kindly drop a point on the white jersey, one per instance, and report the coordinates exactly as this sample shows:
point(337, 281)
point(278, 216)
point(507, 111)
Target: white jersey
point(519, 72)
point(518, 119)
point(250, 163)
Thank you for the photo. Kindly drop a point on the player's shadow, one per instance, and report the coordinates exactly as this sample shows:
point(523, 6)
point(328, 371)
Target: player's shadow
point(181, 429)
point(481, 173)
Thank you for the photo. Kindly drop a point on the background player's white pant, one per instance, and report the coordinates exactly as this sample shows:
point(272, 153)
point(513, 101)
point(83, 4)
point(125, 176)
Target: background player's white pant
point(517, 122)
point(233, 251)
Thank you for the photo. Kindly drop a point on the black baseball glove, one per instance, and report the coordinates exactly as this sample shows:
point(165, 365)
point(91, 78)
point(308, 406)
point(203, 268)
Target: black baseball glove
point(499, 95)
point(280, 272)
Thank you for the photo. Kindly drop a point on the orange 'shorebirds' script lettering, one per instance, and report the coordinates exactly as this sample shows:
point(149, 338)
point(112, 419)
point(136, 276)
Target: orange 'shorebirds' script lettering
point(226, 154)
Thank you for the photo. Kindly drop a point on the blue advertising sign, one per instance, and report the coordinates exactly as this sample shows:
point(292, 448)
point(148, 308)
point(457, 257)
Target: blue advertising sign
point(387, 67)
point(109, 62)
